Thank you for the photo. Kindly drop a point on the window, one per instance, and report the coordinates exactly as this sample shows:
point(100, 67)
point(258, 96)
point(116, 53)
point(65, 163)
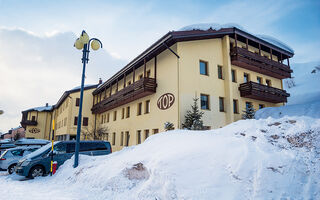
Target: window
point(127, 138)
point(101, 119)
point(233, 75)
point(148, 74)
point(246, 77)
point(204, 101)
point(121, 140)
point(128, 112)
point(77, 101)
point(139, 111)
point(115, 115)
point(129, 83)
point(220, 75)
point(146, 134)
point(203, 68)
point(60, 148)
point(85, 121)
point(248, 105)
point(259, 80)
point(113, 138)
point(221, 104)
point(261, 106)
point(140, 76)
point(18, 152)
point(122, 115)
point(268, 82)
point(139, 137)
point(65, 121)
point(155, 131)
point(33, 118)
point(75, 121)
point(108, 117)
point(147, 106)
point(235, 106)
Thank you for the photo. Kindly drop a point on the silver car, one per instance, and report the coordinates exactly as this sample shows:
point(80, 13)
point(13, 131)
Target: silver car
point(10, 158)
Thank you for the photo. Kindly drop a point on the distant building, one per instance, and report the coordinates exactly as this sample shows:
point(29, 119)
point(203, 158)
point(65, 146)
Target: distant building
point(13, 133)
point(38, 121)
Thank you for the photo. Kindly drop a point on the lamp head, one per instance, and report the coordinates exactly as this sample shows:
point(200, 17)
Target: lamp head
point(95, 45)
point(78, 44)
point(84, 38)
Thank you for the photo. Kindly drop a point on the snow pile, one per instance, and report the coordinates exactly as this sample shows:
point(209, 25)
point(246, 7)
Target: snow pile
point(215, 26)
point(308, 109)
point(249, 159)
point(275, 42)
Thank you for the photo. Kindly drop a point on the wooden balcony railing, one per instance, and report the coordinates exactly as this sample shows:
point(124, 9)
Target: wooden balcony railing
point(243, 58)
point(137, 90)
point(262, 92)
point(28, 123)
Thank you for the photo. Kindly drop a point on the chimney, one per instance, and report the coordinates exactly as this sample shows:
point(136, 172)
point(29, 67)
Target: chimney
point(47, 104)
point(100, 80)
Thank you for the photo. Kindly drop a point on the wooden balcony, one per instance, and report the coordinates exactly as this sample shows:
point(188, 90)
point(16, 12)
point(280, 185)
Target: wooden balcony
point(262, 92)
point(137, 90)
point(252, 61)
point(28, 123)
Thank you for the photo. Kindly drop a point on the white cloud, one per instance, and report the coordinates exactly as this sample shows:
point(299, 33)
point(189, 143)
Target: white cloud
point(35, 70)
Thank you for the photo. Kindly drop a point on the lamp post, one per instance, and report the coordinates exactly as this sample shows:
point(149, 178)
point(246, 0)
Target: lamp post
point(83, 43)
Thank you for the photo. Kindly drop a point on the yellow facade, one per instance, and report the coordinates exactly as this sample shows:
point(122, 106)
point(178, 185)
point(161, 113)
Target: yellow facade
point(42, 129)
point(67, 111)
point(181, 77)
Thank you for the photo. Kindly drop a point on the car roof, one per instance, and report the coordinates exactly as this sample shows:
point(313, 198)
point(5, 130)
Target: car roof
point(84, 141)
point(24, 147)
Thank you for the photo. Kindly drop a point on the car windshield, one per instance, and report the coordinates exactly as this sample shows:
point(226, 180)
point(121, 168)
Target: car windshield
point(40, 151)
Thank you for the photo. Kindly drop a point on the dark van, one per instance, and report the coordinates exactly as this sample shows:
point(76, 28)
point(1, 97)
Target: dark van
point(38, 163)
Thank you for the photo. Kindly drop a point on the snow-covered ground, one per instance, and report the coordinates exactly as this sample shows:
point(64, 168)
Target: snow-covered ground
point(249, 159)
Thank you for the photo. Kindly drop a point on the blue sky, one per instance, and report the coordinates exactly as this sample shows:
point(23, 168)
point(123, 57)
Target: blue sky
point(36, 38)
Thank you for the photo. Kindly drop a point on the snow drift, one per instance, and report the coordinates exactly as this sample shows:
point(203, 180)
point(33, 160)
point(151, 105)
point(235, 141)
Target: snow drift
point(249, 159)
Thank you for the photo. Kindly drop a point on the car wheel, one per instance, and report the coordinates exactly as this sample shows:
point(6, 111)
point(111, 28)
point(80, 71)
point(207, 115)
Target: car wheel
point(11, 168)
point(36, 171)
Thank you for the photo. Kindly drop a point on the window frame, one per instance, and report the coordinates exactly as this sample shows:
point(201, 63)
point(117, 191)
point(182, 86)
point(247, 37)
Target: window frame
point(77, 102)
point(147, 107)
point(85, 121)
point(221, 104)
point(220, 72)
point(248, 77)
point(235, 106)
point(208, 101)
point(206, 67)
point(233, 76)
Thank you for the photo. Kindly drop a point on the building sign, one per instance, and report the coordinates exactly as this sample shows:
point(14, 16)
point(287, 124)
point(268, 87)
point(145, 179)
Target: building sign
point(34, 130)
point(165, 101)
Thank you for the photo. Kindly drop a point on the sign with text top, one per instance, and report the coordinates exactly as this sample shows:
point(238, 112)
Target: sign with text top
point(165, 101)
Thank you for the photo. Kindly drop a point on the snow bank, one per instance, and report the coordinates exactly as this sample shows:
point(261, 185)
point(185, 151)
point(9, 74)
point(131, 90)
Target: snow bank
point(309, 109)
point(249, 159)
point(215, 26)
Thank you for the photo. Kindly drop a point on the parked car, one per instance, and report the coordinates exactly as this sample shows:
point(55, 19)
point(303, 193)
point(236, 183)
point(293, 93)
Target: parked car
point(30, 142)
point(10, 157)
point(5, 146)
point(38, 163)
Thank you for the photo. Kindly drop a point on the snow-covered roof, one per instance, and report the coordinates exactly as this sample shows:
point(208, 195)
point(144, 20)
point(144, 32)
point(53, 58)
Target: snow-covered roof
point(40, 109)
point(85, 86)
point(215, 26)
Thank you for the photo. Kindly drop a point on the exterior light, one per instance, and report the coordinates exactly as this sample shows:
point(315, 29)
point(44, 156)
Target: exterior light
point(83, 43)
point(78, 44)
point(95, 45)
point(84, 38)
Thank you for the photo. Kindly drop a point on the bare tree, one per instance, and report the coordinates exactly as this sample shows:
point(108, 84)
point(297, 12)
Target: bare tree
point(95, 133)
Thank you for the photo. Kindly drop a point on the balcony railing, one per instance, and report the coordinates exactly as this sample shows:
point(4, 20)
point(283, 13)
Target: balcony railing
point(28, 123)
point(262, 92)
point(243, 58)
point(137, 90)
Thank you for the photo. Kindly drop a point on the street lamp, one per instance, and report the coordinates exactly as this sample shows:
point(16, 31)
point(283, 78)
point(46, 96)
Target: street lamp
point(83, 42)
